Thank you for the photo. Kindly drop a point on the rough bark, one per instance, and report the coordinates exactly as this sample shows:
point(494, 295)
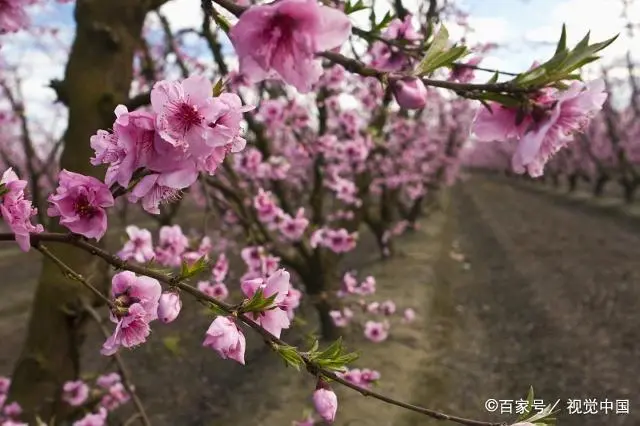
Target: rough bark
point(97, 77)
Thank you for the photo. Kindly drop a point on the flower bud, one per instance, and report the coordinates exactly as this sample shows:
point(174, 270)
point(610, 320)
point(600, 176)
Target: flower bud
point(169, 307)
point(410, 92)
point(325, 402)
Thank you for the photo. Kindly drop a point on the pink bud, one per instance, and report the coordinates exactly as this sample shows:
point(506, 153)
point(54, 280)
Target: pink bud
point(169, 307)
point(410, 92)
point(326, 403)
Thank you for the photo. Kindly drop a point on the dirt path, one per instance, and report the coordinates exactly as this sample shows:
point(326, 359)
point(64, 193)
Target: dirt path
point(550, 299)
point(528, 290)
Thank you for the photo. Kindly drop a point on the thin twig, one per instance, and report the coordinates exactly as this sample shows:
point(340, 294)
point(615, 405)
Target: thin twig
point(177, 282)
point(73, 274)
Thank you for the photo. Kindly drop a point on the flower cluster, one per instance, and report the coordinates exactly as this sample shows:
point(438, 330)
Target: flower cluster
point(549, 125)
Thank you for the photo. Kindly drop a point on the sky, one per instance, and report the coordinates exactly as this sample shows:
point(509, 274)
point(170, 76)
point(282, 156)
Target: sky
point(527, 30)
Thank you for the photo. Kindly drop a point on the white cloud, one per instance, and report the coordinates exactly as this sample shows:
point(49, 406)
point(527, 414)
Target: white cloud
point(183, 14)
point(602, 17)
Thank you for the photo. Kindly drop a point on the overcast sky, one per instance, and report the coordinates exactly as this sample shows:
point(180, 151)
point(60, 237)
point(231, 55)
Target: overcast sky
point(524, 27)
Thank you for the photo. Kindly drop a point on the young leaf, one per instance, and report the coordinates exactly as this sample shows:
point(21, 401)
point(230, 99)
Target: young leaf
point(258, 302)
point(527, 410)
point(191, 270)
point(290, 356)
point(562, 43)
point(438, 45)
point(352, 8)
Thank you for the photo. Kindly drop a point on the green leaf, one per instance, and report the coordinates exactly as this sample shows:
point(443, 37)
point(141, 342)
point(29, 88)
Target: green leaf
point(219, 87)
point(438, 45)
point(290, 356)
point(211, 308)
point(189, 271)
point(562, 43)
point(352, 8)
point(3, 189)
point(494, 78)
point(377, 28)
point(258, 302)
point(527, 410)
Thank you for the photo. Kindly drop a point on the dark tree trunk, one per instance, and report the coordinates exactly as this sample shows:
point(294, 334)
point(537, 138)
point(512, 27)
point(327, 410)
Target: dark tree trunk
point(598, 188)
point(573, 182)
point(97, 77)
point(629, 190)
point(321, 281)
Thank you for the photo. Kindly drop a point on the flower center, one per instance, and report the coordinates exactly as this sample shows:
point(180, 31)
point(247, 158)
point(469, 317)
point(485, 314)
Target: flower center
point(187, 116)
point(83, 208)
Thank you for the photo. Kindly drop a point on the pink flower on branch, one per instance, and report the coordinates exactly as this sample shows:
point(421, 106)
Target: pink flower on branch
point(139, 247)
point(325, 402)
point(225, 337)
point(135, 306)
point(80, 201)
point(281, 39)
point(16, 210)
point(274, 318)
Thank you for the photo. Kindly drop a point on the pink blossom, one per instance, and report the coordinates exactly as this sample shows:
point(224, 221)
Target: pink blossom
point(291, 302)
point(462, 73)
point(388, 307)
point(221, 268)
point(5, 383)
point(326, 403)
point(127, 148)
point(16, 210)
point(12, 410)
point(116, 396)
point(184, 112)
point(218, 291)
point(497, 123)
point(166, 187)
point(226, 338)
point(169, 307)
point(172, 245)
point(93, 419)
point(367, 287)
point(570, 113)
point(13, 16)
point(409, 315)
point(281, 39)
point(81, 202)
point(107, 380)
point(135, 306)
point(75, 392)
point(139, 247)
point(373, 307)
point(340, 318)
point(265, 206)
point(275, 319)
point(376, 331)
point(293, 227)
point(410, 92)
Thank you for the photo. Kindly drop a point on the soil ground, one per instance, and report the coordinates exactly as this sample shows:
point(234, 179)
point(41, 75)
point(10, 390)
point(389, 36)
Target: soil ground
point(513, 285)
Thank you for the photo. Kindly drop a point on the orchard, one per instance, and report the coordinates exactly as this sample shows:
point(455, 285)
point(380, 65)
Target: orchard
point(237, 179)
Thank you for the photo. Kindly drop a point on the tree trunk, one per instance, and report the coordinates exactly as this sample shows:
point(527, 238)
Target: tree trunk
point(598, 188)
point(98, 76)
point(573, 182)
point(629, 188)
point(320, 281)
